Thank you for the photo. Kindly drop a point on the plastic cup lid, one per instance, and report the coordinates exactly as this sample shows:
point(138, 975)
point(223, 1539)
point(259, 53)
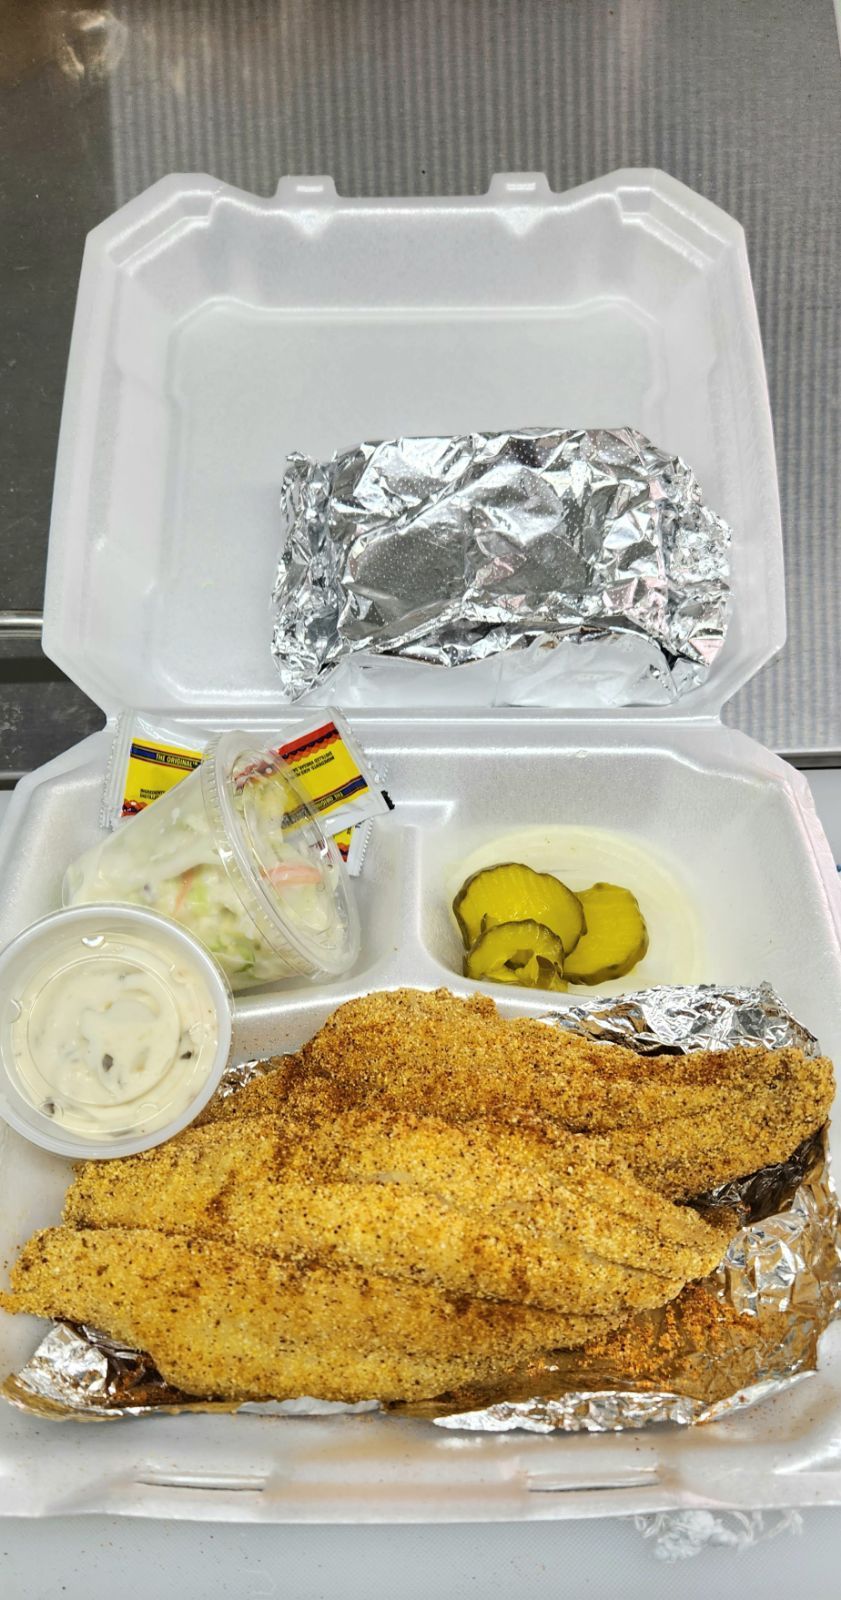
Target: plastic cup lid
point(287, 872)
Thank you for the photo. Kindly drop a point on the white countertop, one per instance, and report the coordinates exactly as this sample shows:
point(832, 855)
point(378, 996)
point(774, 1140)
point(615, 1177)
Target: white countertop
point(92, 1558)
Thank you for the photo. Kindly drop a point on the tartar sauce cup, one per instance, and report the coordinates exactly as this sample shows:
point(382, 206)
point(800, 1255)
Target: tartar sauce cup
point(115, 1028)
point(236, 854)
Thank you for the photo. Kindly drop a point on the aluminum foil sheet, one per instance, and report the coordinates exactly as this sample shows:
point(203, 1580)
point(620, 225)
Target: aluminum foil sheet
point(747, 1332)
point(563, 567)
point(675, 1020)
point(781, 1277)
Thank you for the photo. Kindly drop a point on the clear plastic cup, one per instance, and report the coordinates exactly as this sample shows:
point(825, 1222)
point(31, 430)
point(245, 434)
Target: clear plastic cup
point(236, 855)
point(60, 982)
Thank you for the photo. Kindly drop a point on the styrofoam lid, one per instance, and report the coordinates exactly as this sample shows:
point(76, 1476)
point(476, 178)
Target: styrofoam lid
point(215, 332)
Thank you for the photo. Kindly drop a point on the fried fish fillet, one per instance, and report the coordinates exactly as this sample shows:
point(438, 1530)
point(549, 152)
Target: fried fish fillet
point(220, 1322)
point(286, 1073)
point(492, 1212)
point(683, 1123)
point(426, 1198)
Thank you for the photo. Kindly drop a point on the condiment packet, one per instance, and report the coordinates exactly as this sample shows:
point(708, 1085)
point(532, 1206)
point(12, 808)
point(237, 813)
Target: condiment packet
point(334, 773)
point(352, 845)
point(148, 760)
point(152, 769)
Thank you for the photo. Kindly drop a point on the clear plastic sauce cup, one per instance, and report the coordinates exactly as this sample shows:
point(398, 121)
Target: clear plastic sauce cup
point(236, 855)
point(115, 1028)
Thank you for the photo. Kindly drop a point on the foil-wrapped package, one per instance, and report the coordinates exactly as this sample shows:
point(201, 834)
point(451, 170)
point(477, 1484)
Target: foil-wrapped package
point(747, 1332)
point(556, 567)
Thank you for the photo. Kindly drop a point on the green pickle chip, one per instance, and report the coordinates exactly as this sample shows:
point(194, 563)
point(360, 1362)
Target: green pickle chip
point(512, 892)
point(525, 927)
point(616, 937)
point(525, 953)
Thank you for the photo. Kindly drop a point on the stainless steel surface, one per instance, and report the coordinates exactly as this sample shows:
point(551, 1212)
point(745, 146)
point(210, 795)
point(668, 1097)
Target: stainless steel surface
point(813, 760)
point(741, 101)
point(20, 624)
point(91, 1558)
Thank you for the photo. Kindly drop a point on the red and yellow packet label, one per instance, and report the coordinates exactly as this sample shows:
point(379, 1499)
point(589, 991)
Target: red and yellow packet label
point(153, 769)
point(327, 762)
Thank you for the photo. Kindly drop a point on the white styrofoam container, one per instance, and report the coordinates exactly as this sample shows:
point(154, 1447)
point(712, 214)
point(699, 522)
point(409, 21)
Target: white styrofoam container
point(214, 332)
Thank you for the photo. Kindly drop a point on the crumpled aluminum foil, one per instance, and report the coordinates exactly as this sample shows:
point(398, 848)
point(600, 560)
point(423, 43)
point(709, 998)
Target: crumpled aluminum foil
point(564, 567)
point(777, 1289)
point(676, 1019)
point(784, 1272)
point(679, 1535)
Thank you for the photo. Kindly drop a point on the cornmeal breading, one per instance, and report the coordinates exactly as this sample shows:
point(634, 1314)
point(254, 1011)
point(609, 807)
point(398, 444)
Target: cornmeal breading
point(221, 1322)
point(684, 1123)
point(427, 1198)
point(493, 1212)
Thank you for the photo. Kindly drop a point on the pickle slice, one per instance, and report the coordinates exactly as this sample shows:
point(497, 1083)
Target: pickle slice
point(616, 937)
point(536, 974)
point(525, 953)
point(512, 892)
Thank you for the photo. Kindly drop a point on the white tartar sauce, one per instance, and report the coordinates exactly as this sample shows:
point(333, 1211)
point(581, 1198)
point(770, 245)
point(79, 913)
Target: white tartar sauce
point(113, 1035)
